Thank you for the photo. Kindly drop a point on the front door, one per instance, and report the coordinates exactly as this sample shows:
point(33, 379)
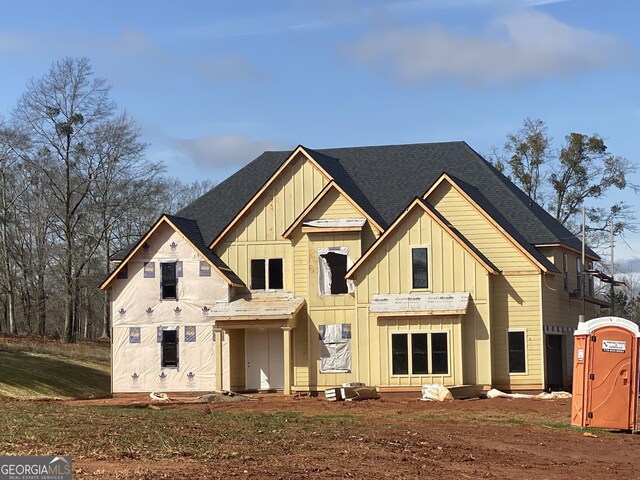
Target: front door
point(264, 353)
point(610, 380)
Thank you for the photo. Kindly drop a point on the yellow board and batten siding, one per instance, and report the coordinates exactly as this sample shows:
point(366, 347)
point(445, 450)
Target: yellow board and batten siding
point(324, 309)
point(515, 294)
point(258, 234)
point(388, 271)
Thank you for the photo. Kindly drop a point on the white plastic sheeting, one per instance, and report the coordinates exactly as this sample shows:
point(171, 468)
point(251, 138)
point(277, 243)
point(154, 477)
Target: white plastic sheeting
point(435, 392)
point(335, 348)
point(324, 271)
point(495, 393)
point(136, 302)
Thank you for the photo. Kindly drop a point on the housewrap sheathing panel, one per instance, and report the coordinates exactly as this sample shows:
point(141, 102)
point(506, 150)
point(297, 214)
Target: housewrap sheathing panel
point(138, 367)
point(136, 302)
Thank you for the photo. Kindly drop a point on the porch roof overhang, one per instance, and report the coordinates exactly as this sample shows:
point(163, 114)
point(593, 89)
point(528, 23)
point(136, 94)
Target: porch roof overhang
point(258, 312)
point(404, 304)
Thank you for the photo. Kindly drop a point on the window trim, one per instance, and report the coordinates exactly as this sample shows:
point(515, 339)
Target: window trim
point(267, 287)
point(429, 287)
point(526, 349)
point(429, 373)
point(565, 270)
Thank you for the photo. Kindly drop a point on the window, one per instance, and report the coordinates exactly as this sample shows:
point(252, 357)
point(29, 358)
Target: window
point(205, 269)
point(419, 268)
point(590, 279)
point(439, 353)
point(275, 274)
point(565, 271)
point(410, 353)
point(267, 274)
point(122, 273)
point(400, 354)
point(578, 276)
point(333, 264)
point(517, 353)
point(168, 281)
point(169, 348)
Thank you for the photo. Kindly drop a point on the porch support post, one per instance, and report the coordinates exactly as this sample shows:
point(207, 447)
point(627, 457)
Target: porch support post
point(218, 343)
point(287, 359)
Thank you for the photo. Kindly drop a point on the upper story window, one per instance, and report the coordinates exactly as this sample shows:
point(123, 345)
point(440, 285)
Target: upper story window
point(168, 281)
point(565, 271)
point(333, 263)
point(267, 274)
point(419, 267)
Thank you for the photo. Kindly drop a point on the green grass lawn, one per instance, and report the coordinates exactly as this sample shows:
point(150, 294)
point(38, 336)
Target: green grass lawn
point(48, 369)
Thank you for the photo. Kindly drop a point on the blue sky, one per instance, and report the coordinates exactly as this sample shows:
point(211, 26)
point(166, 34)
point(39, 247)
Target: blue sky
point(214, 83)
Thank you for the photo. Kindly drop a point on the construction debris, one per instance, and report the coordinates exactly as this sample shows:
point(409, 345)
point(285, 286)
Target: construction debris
point(161, 397)
point(495, 393)
point(352, 391)
point(435, 392)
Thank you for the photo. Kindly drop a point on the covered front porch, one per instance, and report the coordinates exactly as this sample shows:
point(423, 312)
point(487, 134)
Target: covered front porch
point(260, 330)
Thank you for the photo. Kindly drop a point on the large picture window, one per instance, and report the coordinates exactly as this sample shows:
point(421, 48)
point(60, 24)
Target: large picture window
point(267, 274)
point(168, 281)
point(419, 267)
point(517, 352)
point(420, 353)
point(169, 348)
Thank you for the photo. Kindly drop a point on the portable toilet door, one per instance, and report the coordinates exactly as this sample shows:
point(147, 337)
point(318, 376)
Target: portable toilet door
point(609, 384)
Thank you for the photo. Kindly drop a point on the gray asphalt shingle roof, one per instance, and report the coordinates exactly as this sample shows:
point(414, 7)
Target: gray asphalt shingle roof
point(189, 229)
point(384, 180)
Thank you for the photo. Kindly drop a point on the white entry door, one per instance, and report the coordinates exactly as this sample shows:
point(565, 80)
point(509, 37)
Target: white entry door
point(264, 354)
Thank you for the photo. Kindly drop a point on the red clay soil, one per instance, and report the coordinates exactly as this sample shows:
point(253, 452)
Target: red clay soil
point(401, 437)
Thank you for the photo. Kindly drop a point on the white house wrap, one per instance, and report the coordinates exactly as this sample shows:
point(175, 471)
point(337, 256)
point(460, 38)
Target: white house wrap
point(140, 315)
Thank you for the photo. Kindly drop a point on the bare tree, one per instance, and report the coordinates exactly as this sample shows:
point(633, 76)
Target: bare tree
point(72, 124)
point(125, 183)
point(11, 189)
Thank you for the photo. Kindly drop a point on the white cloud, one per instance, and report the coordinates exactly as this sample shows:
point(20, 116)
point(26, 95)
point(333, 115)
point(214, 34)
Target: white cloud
point(521, 46)
point(223, 151)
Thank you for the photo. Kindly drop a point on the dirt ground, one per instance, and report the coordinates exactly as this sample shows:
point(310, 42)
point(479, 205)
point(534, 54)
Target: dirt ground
point(395, 437)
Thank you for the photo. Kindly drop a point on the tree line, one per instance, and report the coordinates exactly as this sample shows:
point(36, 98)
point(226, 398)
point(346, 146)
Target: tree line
point(75, 187)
